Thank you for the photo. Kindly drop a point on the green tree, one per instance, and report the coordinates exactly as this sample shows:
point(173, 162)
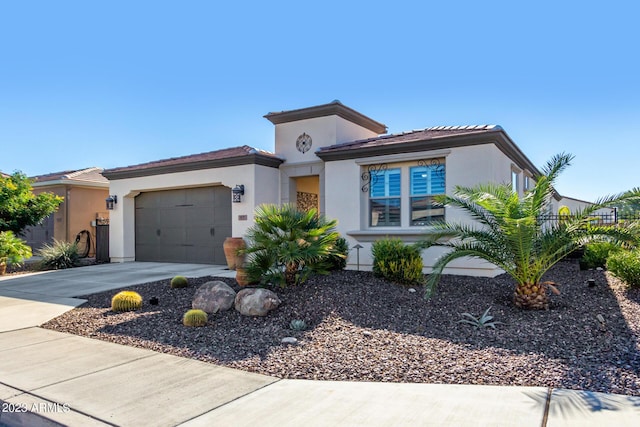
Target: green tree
point(287, 245)
point(509, 232)
point(19, 207)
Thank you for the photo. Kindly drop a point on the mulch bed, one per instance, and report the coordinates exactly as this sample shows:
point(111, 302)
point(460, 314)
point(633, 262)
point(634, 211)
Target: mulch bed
point(363, 328)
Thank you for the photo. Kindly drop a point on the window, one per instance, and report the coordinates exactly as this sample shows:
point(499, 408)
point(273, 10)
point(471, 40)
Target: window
point(527, 183)
point(385, 198)
point(402, 195)
point(426, 181)
point(514, 181)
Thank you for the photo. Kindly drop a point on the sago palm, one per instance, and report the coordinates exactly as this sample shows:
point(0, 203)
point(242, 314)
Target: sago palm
point(286, 245)
point(510, 232)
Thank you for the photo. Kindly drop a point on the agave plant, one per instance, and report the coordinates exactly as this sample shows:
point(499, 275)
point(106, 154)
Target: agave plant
point(509, 232)
point(484, 321)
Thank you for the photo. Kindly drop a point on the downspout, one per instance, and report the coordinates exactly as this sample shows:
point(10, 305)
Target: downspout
point(66, 211)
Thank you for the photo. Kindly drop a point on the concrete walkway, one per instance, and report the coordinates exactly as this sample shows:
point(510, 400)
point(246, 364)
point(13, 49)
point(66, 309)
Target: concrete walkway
point(62, 379)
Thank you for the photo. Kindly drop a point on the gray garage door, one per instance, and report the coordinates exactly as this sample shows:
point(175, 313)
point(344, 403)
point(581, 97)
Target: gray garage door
point(186, 225)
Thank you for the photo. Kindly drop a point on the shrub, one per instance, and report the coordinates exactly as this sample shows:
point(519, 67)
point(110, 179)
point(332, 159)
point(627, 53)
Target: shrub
point(298, 325)
point(595, 254)
point(126, 301)
point(179, 282)
point(286, 245)
point(58, 255)
point(395, 261)
point(626, 266)
point(338, 260)
point(195, 317)
point(12, 250)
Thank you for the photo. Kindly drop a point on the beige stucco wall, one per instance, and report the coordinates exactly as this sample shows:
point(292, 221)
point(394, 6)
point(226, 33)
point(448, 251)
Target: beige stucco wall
point(346, 201)
point(260, 182)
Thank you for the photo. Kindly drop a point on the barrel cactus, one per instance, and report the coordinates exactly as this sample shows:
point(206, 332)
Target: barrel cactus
point(179, 282)
point(195, 317)
point(126, 301)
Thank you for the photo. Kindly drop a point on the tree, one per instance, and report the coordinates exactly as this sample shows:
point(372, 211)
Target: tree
point(19, 207)
point(510, 233)
point(287, 245)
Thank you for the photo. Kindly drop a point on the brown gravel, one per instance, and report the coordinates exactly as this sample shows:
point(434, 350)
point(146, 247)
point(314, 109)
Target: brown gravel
point(362, 328)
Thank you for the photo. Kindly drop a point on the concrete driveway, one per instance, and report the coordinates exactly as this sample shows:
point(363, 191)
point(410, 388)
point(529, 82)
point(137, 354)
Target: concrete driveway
point(31, 299)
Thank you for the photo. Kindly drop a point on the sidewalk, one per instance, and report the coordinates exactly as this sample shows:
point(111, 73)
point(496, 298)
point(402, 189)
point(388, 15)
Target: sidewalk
point(64, 379)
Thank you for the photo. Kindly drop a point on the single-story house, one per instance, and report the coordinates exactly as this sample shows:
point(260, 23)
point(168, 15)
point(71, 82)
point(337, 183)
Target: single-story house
point(84, 192)
point(327, 156)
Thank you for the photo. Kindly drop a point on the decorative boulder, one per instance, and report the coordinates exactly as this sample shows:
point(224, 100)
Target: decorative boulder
point(256, 301)
point(213, 297)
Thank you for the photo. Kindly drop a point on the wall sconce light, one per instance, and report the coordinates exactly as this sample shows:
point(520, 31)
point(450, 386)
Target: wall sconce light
point(238, 192)
point(111, 201)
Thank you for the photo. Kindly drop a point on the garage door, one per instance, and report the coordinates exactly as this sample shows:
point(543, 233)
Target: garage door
point(186, 225)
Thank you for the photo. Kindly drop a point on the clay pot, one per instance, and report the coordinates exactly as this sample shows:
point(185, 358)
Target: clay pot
point(231, 246)
point(241, 273)
point(3, 268)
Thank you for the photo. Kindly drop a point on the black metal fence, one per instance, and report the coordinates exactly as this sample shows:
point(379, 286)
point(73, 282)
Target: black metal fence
point(602, 219)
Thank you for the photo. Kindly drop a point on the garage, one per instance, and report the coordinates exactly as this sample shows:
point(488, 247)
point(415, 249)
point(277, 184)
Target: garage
point(186, 225)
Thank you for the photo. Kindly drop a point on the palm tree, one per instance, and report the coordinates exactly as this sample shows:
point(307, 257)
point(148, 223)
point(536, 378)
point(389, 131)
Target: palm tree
point(286, 245)
point(511, 233)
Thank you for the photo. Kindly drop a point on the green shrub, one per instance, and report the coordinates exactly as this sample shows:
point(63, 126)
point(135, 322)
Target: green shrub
point(179, 282)
point(626, 266)
point(58, 255)
point(395, 261)
point(12, 249)
point(126, 301)
point(286, 245)
point(338, 260)
point(596, 254)
point(195, 317)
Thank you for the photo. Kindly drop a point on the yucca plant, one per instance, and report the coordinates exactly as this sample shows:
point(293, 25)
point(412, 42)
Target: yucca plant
point(509, 232)
point(287, 245)
point(58, 255)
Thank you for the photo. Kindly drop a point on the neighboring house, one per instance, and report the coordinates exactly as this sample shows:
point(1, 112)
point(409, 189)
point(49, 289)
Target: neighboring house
point(84, 192)
point(328, 156)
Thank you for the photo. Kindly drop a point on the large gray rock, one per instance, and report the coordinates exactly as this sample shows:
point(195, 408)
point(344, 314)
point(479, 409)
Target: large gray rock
point(213, 297)
point(256, 301)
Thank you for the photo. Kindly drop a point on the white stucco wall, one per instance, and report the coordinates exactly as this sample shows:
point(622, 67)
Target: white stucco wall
point(345, 200)
point(260, 187)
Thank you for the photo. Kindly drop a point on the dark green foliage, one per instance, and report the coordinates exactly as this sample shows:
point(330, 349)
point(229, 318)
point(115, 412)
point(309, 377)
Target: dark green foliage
point(19, 207)
point(126, 301)
point(179, 282)
point(596, 254)
point(12, 249)
point(626, 266)
point(287, 245)
point(338, 260)
point(58, 255)
point(395, 261)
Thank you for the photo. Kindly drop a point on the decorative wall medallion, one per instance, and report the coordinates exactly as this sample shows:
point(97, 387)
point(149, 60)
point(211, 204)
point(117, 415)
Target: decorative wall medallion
point(303, 143)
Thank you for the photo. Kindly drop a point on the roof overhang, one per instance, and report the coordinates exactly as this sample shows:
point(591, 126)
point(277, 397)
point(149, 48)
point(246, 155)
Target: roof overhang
point(249, 159)
point(335, 108)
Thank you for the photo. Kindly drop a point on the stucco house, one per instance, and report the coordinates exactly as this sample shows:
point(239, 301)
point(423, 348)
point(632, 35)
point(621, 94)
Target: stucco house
point(327, 156)
point(84, 192)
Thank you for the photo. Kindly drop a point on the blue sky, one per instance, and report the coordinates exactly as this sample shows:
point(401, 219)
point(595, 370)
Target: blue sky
point(118, 83)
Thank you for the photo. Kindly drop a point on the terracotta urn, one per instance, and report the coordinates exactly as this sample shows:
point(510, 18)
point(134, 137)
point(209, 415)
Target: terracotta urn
point(241, 273)
point(231, 246)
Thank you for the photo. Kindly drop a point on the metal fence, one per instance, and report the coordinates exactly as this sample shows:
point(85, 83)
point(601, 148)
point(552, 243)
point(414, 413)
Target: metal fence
point(603, 219)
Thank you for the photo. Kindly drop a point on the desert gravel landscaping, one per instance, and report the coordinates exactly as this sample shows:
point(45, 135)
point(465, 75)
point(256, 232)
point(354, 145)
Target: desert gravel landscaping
point(362, 328)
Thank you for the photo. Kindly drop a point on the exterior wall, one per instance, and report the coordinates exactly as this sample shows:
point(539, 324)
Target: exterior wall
point(465, 166)
point(80, 207)
point(324, 131)
point(260, 184)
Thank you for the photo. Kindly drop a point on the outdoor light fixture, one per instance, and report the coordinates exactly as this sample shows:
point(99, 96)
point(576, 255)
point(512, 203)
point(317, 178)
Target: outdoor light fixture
point(357, 248)
point(238, 192)
point(111, 201)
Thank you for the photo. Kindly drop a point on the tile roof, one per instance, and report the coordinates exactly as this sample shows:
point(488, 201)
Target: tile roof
point(89, 175)
point(427, 134)
point(224, 157)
